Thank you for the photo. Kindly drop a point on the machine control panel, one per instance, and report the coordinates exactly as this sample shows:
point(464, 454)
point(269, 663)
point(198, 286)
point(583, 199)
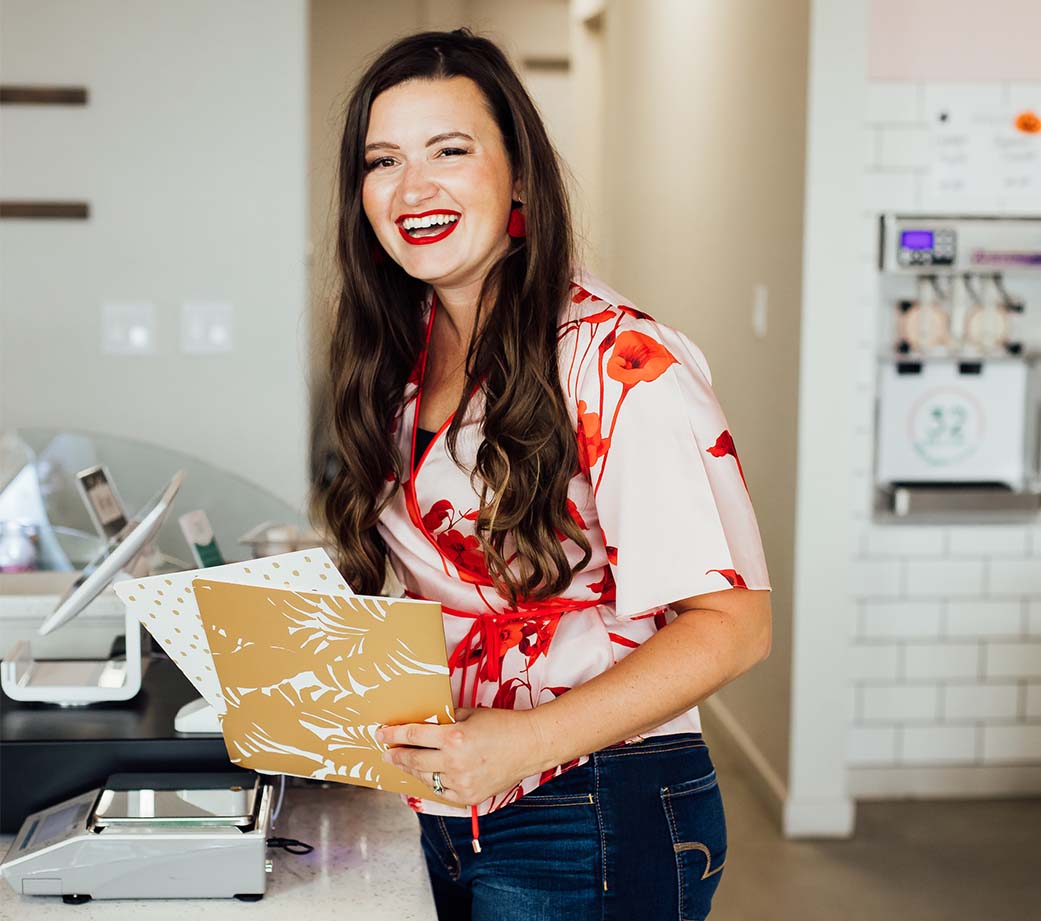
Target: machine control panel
point(927, 247)
point(917, 244)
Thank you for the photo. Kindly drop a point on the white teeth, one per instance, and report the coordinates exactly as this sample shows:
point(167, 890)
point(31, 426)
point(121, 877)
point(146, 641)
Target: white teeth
point(415, 223)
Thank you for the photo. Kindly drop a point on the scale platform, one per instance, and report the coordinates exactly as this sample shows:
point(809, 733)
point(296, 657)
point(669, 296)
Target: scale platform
point(148, 836)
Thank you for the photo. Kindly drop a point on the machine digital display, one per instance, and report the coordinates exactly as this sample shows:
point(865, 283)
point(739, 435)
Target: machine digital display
point(916, 239)
point(62, 821)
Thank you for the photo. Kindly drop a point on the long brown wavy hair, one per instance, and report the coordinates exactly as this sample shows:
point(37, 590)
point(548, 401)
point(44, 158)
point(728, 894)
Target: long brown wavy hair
point(529, 451)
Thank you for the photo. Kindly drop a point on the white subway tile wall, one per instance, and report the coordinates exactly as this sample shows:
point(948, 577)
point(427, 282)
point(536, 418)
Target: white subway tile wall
point(945, 578)
point(907, 702)
point(935, 661)
point(1012, 743)
point(938, 744)
point(945, 660)
point(900, 619)
point(1033, 701)
point(871, 745)
point(1015, 577)
point(968, 702)
point(986, 618)
point(1034, 618)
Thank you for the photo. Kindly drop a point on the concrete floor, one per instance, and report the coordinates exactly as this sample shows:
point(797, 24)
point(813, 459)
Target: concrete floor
point(910, 860)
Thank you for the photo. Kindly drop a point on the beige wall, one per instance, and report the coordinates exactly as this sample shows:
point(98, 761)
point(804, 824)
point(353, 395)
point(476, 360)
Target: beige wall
point(695, 180)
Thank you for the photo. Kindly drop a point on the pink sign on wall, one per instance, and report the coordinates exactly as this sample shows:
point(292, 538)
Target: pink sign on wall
point(954, 40)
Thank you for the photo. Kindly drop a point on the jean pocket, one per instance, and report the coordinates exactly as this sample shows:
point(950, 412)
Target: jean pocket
point(537, 800)
point(573, 787)
point(697, 824)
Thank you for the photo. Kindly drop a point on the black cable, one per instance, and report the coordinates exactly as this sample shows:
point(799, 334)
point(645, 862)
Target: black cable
point(291, 845)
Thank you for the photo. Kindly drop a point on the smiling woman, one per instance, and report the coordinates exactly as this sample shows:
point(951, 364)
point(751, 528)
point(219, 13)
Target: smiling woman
point(460, 180)
point(579, 509)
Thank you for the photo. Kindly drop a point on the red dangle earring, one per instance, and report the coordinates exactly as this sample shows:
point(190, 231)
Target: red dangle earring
point(517, 228)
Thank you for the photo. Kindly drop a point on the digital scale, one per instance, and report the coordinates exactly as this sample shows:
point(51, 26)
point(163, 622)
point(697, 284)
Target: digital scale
point(149, 836)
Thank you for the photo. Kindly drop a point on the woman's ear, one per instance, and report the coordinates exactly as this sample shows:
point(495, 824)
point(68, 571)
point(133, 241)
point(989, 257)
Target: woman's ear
point(518, 191)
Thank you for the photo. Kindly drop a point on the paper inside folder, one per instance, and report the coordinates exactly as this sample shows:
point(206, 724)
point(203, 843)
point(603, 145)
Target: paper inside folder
point(166, 606)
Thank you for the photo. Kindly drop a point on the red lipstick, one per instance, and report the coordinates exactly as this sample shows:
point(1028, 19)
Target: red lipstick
point(419, 241)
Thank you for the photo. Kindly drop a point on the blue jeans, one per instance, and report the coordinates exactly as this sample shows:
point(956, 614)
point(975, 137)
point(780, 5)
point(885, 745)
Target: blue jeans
point(638, 832)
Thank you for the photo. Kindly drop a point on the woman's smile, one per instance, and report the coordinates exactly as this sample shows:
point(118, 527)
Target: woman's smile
point(428, 227)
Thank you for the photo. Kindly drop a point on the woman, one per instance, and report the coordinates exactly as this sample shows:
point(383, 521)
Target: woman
point(551, 465)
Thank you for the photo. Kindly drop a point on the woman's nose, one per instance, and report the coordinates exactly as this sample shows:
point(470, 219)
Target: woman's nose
point(416, 185)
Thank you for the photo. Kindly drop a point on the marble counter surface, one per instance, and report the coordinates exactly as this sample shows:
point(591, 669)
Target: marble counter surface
point(366, 865)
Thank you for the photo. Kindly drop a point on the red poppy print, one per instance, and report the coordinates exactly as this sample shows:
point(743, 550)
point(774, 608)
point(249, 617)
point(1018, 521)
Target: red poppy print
point(724, 447)
point(465, 552)
point(732, 576)
point(633, 312)
point(635, 359)
point(506, 695)
point(501, 638)
point(440, 512)
point(591, 444)
point(604, 587)
point(602, 317)
point(536, 637)
point(638, 359)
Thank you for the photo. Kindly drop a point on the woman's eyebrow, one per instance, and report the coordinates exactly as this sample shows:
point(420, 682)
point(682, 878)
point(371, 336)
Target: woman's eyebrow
point(436, 139)
point(447, 136)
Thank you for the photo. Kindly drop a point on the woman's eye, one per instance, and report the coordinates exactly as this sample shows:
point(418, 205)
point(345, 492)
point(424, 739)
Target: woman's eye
point(377, 164)
point(452, 152)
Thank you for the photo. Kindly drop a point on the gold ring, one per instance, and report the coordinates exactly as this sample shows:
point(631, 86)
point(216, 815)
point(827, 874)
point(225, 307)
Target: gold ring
point(438, 788)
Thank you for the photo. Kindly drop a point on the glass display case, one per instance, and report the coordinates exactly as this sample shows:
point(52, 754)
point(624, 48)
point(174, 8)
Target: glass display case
point(40, 465)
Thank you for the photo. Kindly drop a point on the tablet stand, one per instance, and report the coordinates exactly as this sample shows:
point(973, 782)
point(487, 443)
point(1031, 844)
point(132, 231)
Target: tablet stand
point(74, 682)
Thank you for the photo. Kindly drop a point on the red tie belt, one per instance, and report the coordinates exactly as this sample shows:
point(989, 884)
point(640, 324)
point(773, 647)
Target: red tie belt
point(486, 634)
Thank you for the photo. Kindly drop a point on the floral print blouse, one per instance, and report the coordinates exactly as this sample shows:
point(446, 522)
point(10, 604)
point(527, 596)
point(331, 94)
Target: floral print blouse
point(660, 496)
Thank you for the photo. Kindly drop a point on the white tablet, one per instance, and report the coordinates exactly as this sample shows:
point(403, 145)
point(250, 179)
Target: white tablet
point(118, 555)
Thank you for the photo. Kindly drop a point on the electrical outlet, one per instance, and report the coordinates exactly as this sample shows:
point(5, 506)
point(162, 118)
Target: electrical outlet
point(206, 327)
point(128, 329)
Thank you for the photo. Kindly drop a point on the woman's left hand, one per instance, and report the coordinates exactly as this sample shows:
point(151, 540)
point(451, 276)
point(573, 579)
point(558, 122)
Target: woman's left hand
point(485, 752)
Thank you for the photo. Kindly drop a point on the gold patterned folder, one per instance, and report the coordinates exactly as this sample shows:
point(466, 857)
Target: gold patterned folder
point(308, 679)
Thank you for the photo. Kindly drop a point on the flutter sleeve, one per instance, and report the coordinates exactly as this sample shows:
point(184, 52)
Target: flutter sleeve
point(668, 487)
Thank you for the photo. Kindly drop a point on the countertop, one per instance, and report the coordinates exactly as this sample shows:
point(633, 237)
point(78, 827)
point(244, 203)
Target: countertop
point(367, 864)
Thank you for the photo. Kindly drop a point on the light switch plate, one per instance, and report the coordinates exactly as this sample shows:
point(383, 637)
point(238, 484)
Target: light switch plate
point(207, 327)
point(128, 329)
